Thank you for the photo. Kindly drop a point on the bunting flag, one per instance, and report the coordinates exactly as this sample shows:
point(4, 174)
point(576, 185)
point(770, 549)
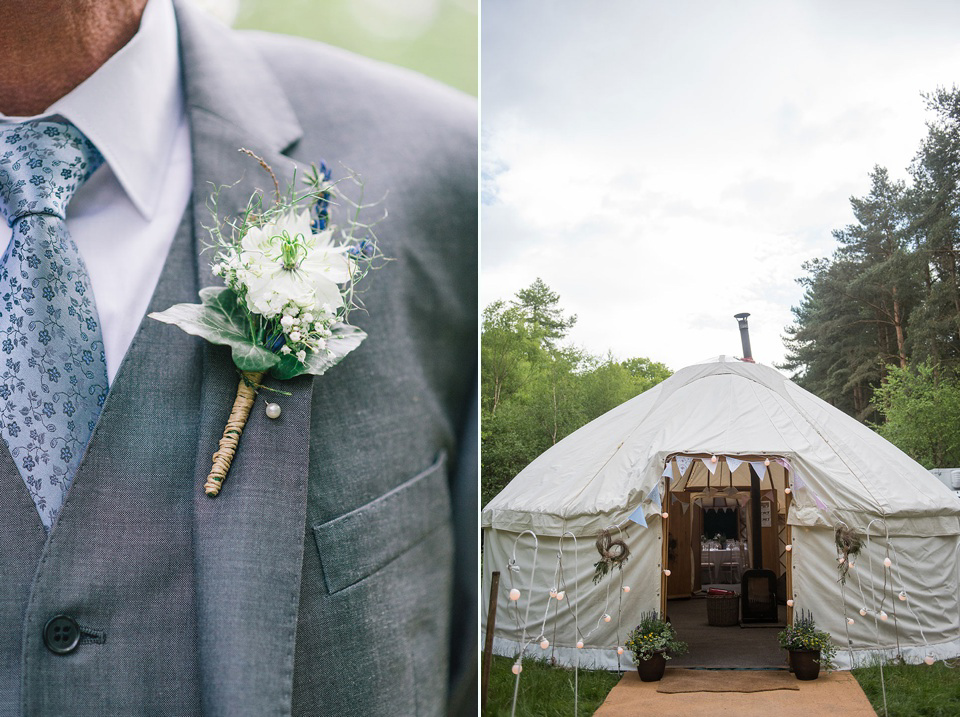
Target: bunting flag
point(743, 499)
point(654, 495)
point(685, 507)
point(667, 470)
point(733, 464)
point(711, 466)
point(760, 468)
point(768, 494)
point(784, 462)
point(637, 517)
point(683, 462)
point(798, 483)
point(820, 504)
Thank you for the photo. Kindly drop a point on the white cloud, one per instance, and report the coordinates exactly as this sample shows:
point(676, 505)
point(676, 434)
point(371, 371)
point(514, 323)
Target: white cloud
point(666, 165)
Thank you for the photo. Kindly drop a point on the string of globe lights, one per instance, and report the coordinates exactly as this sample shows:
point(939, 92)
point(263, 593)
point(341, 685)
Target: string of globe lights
point(514, 569)
point(558, 592)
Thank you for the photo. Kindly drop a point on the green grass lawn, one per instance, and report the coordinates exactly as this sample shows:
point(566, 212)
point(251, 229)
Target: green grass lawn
point(913, 690)
point(545, 691)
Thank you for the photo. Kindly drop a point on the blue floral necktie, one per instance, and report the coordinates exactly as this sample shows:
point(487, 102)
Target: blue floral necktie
point(53, 375)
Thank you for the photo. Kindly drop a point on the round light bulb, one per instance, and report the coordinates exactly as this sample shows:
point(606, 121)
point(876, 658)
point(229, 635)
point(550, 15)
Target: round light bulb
point(579, 644)
point(713, 459)
point(903, 595)
point(516, 669)
point(863, 612)
point(849, 620)
point(606, 618)
point(544, 644)
point(766, 461)
point(561, 595)
point(626, 588)
point(514, 594)
point(887, 562)
point(789, 603)
point(664, 515)
point(929, 659)
point(553, 593)
point(788, 548)
point(883, 615)
point(787, 491)
point(667, 573)
point(841, 560)
point(619, 650)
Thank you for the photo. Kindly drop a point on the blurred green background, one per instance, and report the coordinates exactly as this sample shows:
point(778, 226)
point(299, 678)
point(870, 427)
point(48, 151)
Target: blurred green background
point(435, 37)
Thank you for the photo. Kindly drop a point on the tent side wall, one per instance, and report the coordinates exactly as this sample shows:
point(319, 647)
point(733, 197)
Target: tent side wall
point(924, 567)
point(579, 615)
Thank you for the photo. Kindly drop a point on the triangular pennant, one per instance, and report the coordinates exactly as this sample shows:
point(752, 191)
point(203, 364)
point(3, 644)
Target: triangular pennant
point(798, 483)
point(654, 495)
point(685, 507)
point(638, 518)
point(711, 466)
point(683, 462)
point(768, 494)
point(784, 462)
point(673, 498)
point(743, 499)
point(760, 468)
point(733, 464)
point(667, 470)
point(820, 504)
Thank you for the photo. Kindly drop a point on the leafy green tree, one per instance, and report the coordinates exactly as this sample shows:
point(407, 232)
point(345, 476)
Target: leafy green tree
point(540, 307)
point(536, 392)
point(646, 373)
point(507, 353)
point(921, 407)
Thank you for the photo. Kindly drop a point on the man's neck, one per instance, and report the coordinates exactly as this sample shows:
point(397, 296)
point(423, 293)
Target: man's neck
point(51, 46)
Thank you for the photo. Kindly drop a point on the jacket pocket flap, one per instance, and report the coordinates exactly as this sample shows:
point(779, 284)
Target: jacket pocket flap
point(364, 540)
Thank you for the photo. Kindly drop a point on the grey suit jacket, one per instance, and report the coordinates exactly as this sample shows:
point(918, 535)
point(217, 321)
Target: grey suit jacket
point(321, 581)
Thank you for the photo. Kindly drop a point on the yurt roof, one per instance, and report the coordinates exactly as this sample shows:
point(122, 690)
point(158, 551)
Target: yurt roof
point(600, 473)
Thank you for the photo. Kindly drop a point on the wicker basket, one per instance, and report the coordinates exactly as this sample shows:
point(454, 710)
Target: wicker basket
point(723, 610)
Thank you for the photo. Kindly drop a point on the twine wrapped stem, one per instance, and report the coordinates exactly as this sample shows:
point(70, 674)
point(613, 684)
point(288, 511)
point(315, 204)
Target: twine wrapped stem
point(242, 404)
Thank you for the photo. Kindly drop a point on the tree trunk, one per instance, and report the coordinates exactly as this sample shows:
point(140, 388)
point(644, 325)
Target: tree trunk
point(898, 326)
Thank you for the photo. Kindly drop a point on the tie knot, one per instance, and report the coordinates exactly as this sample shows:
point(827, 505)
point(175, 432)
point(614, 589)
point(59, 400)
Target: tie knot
point(41, 166)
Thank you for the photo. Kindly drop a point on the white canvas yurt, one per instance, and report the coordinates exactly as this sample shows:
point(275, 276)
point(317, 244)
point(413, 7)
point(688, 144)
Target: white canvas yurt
point(740, 438)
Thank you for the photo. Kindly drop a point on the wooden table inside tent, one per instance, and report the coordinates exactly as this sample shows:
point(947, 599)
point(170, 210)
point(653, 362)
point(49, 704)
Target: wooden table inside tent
point(719, 560)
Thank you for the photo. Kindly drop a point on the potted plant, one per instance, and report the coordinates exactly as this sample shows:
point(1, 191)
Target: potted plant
point(651, 643)
point(809, 648)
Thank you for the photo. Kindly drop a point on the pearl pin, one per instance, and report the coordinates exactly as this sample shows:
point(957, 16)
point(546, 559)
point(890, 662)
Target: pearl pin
point(273, 410)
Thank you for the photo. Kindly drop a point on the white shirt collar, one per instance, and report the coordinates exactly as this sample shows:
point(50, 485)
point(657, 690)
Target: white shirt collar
point(132, 106)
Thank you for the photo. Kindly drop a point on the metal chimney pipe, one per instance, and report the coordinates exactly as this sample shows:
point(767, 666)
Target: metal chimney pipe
point(744, 336)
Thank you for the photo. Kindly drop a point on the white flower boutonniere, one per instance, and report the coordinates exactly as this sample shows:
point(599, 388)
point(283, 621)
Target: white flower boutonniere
point(290, 282)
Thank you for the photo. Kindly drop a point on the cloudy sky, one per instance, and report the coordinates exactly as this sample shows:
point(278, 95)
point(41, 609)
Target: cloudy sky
point(665, 165)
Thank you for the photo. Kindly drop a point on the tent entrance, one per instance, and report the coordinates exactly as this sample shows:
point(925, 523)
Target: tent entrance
point(721, 527)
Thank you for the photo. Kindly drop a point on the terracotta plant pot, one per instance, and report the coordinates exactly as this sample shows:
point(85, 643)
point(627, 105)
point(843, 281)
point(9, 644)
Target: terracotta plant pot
point(652, 670)
point(805, 664)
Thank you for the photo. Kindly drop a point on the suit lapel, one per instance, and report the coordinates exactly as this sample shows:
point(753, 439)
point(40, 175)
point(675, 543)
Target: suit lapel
point(249, 540)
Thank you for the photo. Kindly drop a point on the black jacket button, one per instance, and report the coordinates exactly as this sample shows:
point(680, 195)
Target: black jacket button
point(61, 634)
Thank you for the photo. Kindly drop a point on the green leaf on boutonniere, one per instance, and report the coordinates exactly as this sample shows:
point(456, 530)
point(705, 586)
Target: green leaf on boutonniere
point(220, 320)
point(345, 339)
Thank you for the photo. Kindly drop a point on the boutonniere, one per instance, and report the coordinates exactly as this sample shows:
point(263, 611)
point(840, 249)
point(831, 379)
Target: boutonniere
point(290, 283)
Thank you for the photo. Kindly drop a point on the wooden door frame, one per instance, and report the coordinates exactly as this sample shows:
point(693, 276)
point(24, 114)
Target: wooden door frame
point(665, 535)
